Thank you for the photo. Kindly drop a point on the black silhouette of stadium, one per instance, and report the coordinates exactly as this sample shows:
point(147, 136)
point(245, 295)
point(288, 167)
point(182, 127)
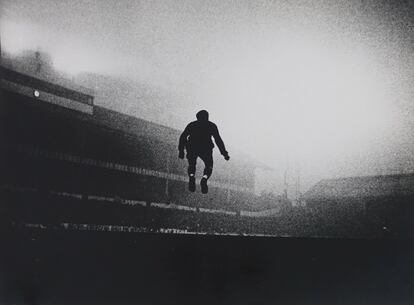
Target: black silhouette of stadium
point(74, 165)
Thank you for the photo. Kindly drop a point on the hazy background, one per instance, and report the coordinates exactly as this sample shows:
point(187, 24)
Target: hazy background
point(320, 88)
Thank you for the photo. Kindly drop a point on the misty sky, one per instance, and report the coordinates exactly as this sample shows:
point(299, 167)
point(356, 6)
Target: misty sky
point(323, 84)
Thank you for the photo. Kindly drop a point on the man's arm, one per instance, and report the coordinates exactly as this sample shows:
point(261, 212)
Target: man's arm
point(220, 143)
point(183, 141)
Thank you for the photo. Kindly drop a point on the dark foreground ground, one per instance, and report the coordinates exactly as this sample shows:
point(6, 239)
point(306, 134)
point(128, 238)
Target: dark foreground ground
point(39, 267)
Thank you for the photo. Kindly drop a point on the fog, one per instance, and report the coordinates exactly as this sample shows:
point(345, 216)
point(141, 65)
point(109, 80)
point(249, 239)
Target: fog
point(318, 88)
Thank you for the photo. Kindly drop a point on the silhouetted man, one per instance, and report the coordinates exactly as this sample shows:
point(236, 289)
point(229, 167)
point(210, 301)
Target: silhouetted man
point(196, 139)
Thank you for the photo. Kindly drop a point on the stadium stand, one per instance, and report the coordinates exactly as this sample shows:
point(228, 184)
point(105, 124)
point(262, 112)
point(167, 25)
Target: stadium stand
point(381, 203)
point(58, 148)
point(92, 168)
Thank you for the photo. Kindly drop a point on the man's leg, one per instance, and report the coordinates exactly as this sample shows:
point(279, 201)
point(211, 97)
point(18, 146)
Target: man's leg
point(192, 160)
point(207, 158)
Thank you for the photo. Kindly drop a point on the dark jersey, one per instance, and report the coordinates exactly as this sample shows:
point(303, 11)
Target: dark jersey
point(197, 137)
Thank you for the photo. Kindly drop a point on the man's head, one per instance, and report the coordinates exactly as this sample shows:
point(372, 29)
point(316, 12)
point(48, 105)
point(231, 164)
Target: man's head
point(202, 115)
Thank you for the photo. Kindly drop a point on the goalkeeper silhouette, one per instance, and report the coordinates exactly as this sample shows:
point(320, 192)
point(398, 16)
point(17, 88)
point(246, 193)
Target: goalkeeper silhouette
point(196, 139)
